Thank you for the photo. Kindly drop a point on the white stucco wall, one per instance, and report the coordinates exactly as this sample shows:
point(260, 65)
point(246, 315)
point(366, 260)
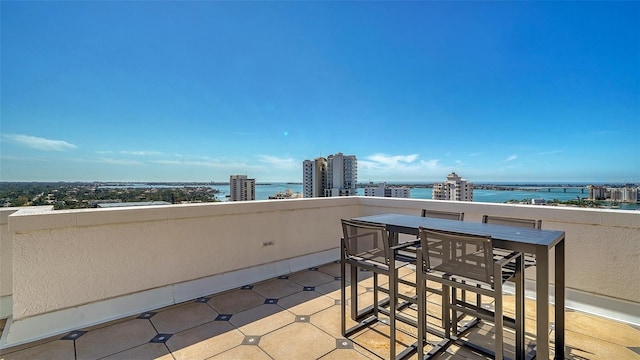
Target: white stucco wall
point(69, 258)
point(64, 261)
point(6, 263)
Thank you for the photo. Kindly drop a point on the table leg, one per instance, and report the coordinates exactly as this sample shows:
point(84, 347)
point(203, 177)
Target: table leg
point(542, 304)
point(560, 299)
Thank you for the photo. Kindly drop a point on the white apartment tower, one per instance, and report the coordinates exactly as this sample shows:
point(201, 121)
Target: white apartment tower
point(336, 175)
point(456, 188)
point(342, 175)
point(241, 188)
point(381, 190)
point(314, 177)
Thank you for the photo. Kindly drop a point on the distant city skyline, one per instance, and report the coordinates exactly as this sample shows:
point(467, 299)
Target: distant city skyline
point(198, 91)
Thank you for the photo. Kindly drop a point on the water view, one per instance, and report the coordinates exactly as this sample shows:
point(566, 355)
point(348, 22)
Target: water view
point(263, 191)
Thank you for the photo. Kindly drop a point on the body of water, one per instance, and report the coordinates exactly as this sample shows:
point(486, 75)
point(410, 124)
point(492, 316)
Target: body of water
point(263, 191)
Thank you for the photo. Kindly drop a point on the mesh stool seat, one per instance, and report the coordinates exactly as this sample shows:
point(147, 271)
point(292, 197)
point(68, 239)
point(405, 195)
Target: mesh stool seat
point(366, 246)
point(529, 259)
point(464, 261)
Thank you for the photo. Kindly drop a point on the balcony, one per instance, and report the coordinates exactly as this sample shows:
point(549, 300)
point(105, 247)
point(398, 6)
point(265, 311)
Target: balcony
point(149, 282)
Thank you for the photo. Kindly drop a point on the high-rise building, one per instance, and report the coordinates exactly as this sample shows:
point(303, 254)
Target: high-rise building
point(314, 177)
point(342, 175)
point(336, 175)
point(455, 188)
point(626, 194)
point(241, 188)
point(382, 190)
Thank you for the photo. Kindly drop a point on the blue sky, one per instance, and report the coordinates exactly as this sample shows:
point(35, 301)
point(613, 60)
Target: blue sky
point(197, 91)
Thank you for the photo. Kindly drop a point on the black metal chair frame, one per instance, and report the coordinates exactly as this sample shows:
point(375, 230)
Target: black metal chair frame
point(389, 266)
point(437, 214)
point(529, 259)
point(474, 271)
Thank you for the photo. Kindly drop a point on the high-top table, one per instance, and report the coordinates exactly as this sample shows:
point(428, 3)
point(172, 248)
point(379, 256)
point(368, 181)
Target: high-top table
point(531, 241)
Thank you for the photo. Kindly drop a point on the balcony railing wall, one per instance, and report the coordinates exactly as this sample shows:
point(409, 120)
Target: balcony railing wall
point(71, 269)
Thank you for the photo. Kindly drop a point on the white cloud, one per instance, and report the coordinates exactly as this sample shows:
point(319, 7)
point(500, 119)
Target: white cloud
point(280, 163)
point(511, 158)
point(397, 167)
point(38, 142)
point(140, 153)
point(120, 161)
point(187, 163)
point(392, 160)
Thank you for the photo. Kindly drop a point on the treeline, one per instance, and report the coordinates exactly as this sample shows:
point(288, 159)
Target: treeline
point(88, 195)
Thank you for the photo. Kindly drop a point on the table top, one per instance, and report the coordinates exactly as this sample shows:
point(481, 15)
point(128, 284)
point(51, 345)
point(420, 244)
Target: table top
point(525, 237)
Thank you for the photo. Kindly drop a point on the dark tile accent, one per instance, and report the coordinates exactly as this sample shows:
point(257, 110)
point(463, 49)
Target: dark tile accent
point(203, 300)
point(246, 287)
point(283, 277)
point(251, 340)
point(363, 270)
point(303, 318)
point(223, 317)
point(146, 315)
point(344, 344)
point(337, 262)
point(73, 335)
point(161, 338)
point(635, 349)
point(369, 289)
point(309, 288)
point(337, 278)
point(270, 301)
point(313, 269)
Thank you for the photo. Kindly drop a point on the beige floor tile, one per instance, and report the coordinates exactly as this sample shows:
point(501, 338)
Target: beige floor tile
point(306, 302)
point(297, 341)
point(529, 307)
point(154, 351)
point(29, 345)
point(484, 335)
point(407, 272)
point(331, 289)
point(455, 352)
point(579, 346)
point(110, 323)
point(204, 341)
point(369, 280)
point(310, 278)
point(242, 352)
point(262, 319)
point(277, 288)
point(236, 301)
point(376, 340)
point(58, 349)
point(603, 329)
point(331, 269)
point(113, 339)
point(329, 321)
point(183, 317)
point(344, 354)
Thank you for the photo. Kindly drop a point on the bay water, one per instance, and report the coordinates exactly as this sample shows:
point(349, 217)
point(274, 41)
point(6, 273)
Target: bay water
point(263, 191)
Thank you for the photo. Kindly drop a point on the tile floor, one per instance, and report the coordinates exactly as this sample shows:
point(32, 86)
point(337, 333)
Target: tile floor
point(293, 317)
